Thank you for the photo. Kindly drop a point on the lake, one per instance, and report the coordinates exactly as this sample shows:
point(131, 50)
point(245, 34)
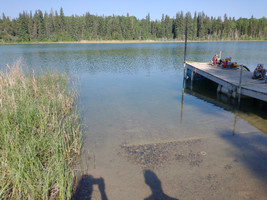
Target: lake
point(145, 134)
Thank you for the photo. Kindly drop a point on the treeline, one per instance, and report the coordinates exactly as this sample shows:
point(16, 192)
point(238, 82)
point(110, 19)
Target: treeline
point(56, 26)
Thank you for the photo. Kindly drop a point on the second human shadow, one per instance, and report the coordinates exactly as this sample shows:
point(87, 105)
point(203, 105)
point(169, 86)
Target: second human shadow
point(154, 183)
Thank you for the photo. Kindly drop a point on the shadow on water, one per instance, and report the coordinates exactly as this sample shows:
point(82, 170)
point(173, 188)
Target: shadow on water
point(251, 110)
point(84, 190)
point(206, 90)
point(251, 150)
point(154, 183)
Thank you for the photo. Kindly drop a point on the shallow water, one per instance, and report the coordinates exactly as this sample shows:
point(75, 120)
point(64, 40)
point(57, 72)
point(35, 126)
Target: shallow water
point(140, 128)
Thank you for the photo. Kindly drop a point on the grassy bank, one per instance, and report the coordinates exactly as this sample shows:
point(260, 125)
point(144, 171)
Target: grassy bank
point(39, 135)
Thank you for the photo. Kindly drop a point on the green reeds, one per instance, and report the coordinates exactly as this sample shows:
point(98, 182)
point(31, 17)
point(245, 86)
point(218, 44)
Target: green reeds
point(39, 135)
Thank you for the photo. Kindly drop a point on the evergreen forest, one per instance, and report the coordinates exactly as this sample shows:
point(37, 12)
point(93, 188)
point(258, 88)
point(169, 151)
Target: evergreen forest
point(54, 27)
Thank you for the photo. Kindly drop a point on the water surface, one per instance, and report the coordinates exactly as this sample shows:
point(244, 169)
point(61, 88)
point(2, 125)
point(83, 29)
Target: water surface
point(197, 144)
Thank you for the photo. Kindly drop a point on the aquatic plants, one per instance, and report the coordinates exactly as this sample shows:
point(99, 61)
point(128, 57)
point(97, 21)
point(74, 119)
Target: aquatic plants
point(40, 135)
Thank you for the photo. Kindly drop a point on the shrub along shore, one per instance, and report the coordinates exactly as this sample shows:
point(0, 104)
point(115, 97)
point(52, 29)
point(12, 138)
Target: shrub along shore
point(40, 135)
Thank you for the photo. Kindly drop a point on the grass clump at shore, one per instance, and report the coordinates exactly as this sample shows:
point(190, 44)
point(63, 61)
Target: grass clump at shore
point(39, 135)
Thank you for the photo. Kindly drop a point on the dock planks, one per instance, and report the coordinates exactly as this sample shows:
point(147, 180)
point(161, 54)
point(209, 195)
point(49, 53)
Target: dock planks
point(229, 79)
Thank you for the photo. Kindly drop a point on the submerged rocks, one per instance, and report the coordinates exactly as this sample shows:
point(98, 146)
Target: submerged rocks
point(158, 154)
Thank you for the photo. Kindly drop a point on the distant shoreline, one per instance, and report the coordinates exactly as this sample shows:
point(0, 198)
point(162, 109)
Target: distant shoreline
point(126, 41)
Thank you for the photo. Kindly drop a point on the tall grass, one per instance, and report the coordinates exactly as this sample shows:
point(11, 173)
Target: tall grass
point(39, 135)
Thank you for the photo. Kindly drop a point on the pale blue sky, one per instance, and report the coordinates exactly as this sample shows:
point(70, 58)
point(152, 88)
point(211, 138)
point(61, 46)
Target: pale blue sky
point(139, 8)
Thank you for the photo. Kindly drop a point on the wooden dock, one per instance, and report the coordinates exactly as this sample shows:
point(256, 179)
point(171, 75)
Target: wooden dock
point(228, 80)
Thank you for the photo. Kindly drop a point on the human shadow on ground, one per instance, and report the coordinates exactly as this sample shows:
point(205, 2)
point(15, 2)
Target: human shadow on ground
point(154, 183)
point(84, 190)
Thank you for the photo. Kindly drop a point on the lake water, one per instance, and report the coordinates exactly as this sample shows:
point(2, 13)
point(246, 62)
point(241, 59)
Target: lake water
point(144, 136)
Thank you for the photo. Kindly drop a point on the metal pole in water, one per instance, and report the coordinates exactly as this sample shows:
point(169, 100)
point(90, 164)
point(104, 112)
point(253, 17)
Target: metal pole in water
point(182, 105)
point(239, 87)
point(185, 43)
point(185, 47)
point(185, 74)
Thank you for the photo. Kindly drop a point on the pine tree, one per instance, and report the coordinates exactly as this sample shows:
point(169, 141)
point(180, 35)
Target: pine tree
point(22, 27)
point(226, 27)
point(62, 23)
point(194, 27)
point(56, 25)
point(30, 26)
point(179, 26)
point(41, 27)
point(201, 25)
point(101, 27)
point(189, 25)
point(73, 27)
point(168, 27)
point(8, 31)
point(116, 31)
point(162, 28)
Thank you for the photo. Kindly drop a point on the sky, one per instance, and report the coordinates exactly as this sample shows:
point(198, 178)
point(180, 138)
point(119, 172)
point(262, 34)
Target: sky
point(139, 8)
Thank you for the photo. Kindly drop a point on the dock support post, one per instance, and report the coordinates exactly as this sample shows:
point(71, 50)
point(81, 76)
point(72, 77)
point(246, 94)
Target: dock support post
point(219, 88)
point(192, 79)
point(227, 91)
point(192, 76)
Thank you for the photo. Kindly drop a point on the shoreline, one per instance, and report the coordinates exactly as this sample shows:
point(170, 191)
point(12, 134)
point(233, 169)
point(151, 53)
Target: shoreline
point(126, 41)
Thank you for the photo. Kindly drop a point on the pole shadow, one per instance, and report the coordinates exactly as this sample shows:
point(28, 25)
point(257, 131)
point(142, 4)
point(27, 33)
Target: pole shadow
point(84, 190)
point(154, 183)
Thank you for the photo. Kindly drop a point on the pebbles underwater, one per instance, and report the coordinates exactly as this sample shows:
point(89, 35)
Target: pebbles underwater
point(159, 154)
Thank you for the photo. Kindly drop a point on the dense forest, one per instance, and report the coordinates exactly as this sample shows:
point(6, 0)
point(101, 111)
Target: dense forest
point(54, 26)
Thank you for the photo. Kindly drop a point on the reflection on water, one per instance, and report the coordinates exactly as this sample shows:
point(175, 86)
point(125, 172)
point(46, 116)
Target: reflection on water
point(136, 115)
